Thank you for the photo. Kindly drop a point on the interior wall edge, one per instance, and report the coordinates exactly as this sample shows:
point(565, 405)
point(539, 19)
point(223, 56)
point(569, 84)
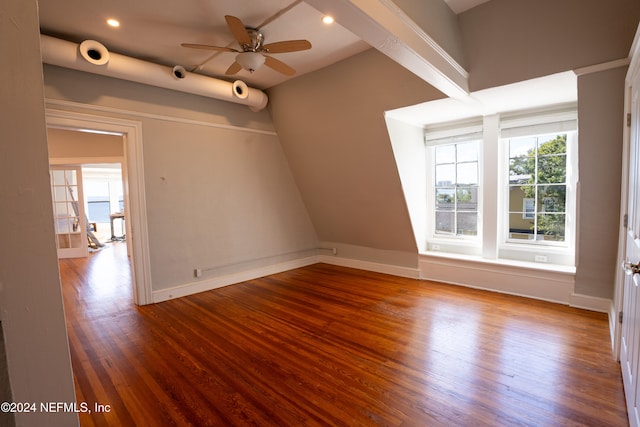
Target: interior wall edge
point(53, 103)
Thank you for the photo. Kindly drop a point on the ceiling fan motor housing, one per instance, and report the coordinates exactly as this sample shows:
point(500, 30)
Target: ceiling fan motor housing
point(257, 38)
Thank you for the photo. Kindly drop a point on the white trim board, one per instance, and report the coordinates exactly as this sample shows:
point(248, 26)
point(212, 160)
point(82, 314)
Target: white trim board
point(394, 270)
point(549, 286)
point(546, 285)
point(235, 278)
point(230, 279)
point(53, 103)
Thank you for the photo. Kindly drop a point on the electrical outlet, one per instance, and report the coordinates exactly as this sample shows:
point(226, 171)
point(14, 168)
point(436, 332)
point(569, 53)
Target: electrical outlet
point(541, 258)
point(198, 272)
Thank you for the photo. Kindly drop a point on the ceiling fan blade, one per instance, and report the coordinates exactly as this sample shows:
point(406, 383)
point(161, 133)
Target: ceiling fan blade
point(208, 47)
point(238, 30)
point(233, 69)
point(286, 46)
point(279, 66)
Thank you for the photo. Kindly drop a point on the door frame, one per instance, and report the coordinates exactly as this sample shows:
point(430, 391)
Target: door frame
point(618, 297)
point(134, 193)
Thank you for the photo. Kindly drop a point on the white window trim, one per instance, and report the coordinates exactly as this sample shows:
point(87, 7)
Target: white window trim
point(563, 121)
point(452, 133)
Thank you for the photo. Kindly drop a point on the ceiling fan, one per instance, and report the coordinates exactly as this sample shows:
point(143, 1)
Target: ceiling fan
point(252, 57)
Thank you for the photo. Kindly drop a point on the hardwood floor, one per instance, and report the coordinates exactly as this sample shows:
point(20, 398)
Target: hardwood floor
point(331, 346)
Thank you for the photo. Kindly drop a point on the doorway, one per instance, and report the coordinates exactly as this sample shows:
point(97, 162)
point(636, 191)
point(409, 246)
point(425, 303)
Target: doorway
point(135, 227)
point(103, 189)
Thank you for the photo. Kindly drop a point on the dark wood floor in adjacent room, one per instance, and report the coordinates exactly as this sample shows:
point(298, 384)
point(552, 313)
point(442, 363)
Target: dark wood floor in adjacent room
point(332, 346)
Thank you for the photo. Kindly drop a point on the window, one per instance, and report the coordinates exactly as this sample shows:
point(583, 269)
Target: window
point(537, 188)
point(456, 189)
point(504, 189)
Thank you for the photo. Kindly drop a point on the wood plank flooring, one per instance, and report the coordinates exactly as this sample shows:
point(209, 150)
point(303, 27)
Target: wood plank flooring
point(331, 346)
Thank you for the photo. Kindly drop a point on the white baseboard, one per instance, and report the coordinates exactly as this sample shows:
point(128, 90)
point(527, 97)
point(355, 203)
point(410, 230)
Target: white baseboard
point(525, 280)
point(603, 305)
point(544, 285)
point(553, 286)
point(230, 279)
point(395, 270)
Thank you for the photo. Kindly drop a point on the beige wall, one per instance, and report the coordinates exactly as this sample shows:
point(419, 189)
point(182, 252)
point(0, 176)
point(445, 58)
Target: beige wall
point(30, 297)
point(332, 128)
point(600, 129)
point(67, 144)
point(219, 190)
point(507, 41)
point(439, 22)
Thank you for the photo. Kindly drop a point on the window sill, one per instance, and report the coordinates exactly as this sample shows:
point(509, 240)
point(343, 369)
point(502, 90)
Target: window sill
point(539, 266)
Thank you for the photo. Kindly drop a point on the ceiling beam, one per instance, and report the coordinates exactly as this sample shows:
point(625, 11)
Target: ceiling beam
point(383, 25)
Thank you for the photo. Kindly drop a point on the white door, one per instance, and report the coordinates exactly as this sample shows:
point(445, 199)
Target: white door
point(68, 211)
point(630, 338)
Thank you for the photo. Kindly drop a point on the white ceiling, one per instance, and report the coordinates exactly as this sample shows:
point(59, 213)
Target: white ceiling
point(153, 30)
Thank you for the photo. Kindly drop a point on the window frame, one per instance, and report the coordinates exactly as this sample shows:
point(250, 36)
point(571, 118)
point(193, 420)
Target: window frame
point(452, 135)
point(540, 123)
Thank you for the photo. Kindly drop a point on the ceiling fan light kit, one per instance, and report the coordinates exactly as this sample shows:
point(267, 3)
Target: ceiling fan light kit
point(250, 61)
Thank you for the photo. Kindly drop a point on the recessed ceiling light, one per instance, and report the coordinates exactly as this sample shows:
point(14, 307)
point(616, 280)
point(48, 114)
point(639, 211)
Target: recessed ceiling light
point(113, 22)
point(327, 19)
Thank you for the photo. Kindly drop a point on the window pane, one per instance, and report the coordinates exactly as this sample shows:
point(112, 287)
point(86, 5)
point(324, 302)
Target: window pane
point(456, 188)
point(445, 199)
point(445, 175)
point(552, 144)
point(517, 196)
point(467, 198)
point(551, 198)
point(467, 173)
point(520, 227)
point(520, 147)
point(444, 222)
point(467, 152)
point(70, 177)
point(552, 169)
point(57, 177)
point(445, 154)
point(551, 227)
point(467, 224)
point(521, 169)
point(99, 210)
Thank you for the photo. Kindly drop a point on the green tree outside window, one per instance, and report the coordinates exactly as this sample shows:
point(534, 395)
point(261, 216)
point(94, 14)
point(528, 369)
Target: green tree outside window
point(538, 167)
